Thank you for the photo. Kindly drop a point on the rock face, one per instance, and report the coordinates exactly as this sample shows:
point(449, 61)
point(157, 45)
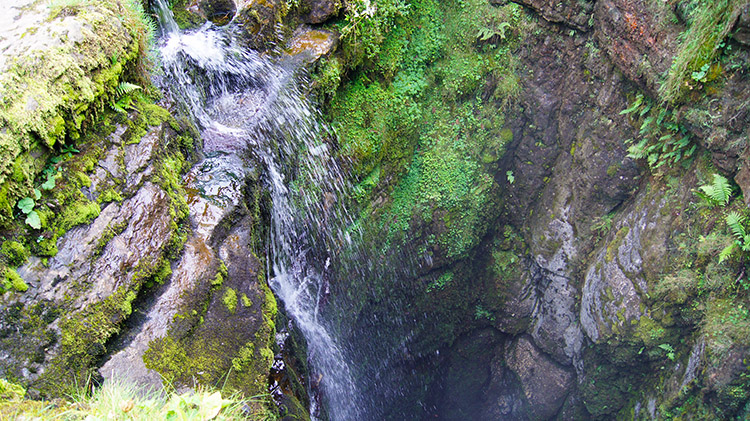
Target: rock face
point(320, 10)
point(58, 65)
point(596, 290)
point(560, 267)
point(145, 262)
point(545, 384)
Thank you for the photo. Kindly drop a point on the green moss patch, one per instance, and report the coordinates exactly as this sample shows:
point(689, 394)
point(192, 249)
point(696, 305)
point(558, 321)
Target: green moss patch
point(420, 120)
point(49, 96)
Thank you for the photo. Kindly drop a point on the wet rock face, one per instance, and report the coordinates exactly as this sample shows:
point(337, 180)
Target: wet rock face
point(260, 21)
point(78, 298)
point(311, 44)
point(639, 44)
point(576, 14)
point(320, 10)
point(220, 12)
point(545, 383)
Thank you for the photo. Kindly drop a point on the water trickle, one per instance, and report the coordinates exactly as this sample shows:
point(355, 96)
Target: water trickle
point(247, 103)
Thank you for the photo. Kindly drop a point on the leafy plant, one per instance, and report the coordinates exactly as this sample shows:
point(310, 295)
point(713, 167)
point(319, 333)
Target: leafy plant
point(603, 224)
point(482, 313)
point(735, 222)
point(716, 193)
point(663, 141)
point(669, 349)
point(700, 76)
point(123, 99)
point(510, 176)
point(26, 205)
point(484, 33)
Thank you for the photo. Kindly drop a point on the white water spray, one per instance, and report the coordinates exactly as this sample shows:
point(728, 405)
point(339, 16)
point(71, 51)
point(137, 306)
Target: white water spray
point(244, 102)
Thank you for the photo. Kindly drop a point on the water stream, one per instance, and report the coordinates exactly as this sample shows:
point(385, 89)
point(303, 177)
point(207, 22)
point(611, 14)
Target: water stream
point(246, 103)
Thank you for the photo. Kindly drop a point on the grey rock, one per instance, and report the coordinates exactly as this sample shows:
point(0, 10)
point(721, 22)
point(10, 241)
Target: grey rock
point(217, 182)
point(320, 10)
point(545, 383)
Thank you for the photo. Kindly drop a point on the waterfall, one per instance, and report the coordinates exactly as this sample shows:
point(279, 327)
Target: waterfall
point(244, 102)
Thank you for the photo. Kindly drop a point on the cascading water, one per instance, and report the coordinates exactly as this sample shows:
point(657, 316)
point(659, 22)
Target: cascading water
point(244, 102)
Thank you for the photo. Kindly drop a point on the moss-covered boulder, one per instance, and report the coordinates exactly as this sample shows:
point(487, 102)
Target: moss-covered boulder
point(62, 64)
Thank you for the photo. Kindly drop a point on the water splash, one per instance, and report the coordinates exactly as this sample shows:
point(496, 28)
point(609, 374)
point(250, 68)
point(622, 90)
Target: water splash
point(247, 103)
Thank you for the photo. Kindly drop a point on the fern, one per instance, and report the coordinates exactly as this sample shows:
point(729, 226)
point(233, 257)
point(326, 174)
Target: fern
point(633, 107)
point(728, 250)
point(126, 88)
point(123, 99)
point(718, 192)
point(734, 221)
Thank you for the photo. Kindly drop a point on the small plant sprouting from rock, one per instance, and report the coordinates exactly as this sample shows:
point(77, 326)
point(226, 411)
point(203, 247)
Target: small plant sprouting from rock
point(26, 205)
point(669, 349)
point(482, 313)
point(736, 224)
point(662, 140)
point(123, 99)
point(716, 193)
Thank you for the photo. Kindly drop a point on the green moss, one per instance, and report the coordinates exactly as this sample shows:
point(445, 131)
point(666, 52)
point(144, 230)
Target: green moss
point(13, 282)
point(218, 280)
point(213, 352)
point(328, 76)
point(230, 300)
point(109, 195)
point(76, 214)
point(615, 244)
point(414, 123)
point(82, 179)
point(726, 325)
point(650, 332)
point(45, 247)
point(612, 169)
point(83, 339)
point(163, 271)
point(15, 253)
point(10, 391)
point(246, 302)
point(183, 17)
point(50, 95)
point(270, 307)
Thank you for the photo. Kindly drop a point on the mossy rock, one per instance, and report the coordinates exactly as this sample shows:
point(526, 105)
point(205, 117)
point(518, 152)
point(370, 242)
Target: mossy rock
point(49, 92)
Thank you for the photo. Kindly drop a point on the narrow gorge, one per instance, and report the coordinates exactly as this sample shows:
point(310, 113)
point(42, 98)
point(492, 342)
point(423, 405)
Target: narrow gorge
point(375, 209)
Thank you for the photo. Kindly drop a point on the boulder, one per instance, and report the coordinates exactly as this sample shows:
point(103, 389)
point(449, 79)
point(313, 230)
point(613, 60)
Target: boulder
point(320, 10)
point(545, 383)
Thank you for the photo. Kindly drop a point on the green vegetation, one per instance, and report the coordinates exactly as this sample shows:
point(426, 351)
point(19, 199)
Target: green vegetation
point(13, 282)
point(118, 400)
point(709, 23)
point(717, 193)
point(441, 282)
point(663, 140)
point(14, 252)
point(230, 300)
point(419, 121)
point(66, 88)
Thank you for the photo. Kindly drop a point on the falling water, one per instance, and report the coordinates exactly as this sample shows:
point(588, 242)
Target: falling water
point(244, 102)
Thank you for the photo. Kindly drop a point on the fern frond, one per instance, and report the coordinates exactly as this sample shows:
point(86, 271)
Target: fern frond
point(734, 221)
point(724, 255)
point(721, 189)
point(718, 192)
point(125, 88)
point(634, 106)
